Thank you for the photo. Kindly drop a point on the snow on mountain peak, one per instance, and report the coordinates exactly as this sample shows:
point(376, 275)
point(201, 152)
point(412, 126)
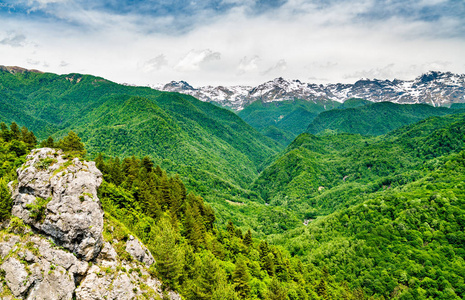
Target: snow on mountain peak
point(435, 88)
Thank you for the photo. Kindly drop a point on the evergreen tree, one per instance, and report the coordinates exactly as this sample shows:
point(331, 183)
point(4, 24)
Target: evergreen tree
point(276, 291)
point(147, 164)
point(72, 144)
point(15, 131)
point(48, 143)
point(5, 200)
point(168, 253)
point(5, 132)
point(240, 278)
point(28, 137)
point(230, 228)
point(248, 238)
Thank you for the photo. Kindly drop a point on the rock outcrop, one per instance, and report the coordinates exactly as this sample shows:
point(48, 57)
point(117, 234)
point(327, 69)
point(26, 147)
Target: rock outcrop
point(58, 197)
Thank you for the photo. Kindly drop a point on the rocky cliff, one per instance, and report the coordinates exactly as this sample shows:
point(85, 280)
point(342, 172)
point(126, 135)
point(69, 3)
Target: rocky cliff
point(54, 246)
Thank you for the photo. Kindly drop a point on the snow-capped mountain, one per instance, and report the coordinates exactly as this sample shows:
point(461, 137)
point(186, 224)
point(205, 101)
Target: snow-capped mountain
point(435, 88)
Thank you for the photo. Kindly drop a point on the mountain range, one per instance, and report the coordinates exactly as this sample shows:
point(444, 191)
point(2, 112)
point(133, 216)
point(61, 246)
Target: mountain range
point(434, 88)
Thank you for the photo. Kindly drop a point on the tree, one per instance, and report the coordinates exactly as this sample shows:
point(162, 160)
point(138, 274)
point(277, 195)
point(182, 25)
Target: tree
point(167, 252)
point(276, 291)
point(28, 137)
point(248, 238)
point(15, 131)
point(5, 200)
point(48, 143)
point(5, 132)
point(72, 144)
point(240, 278)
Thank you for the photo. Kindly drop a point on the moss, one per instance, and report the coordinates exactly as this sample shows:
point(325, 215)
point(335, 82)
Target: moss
point(45, 163)
point(17, 226)
point(37, 210)
point(63, 167)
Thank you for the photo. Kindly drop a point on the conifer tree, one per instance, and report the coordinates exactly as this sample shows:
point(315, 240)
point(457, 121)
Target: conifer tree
point(276, 291)
point(28, 137)
point(48, 143)
point(15, 131)
point(5, 200)
point(248, 238)
point(240, 278)
point(72, 144)
point(5, 132)
point(168, 253)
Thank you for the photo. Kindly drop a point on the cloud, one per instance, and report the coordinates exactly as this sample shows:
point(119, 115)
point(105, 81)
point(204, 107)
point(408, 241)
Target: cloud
point(155, 64)
point(33, 62)
point(195, 59)
point(236, 41)
point(278, 68)
point(248, 64)
point(14, 40)
point(63, 64)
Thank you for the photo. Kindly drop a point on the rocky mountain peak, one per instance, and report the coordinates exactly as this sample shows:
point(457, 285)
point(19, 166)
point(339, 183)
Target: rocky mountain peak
point(434, 88)
point(14, 70)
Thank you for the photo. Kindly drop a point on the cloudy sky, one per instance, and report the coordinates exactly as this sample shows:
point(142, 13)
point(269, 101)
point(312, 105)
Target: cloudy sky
point(227, 42)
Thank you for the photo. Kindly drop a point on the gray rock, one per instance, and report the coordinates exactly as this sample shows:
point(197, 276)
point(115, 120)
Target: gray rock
point(139, 251)
point(56, 284)
point(72, 216)
point(108, 253)
point(16, 276)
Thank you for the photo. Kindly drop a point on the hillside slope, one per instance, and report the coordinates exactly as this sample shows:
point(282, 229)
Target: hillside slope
point(374, 119)
point(210, 147)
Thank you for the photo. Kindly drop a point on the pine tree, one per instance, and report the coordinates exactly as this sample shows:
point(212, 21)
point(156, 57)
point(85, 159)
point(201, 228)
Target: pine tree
point(15, 131)
point(147, 164)
point(168, 253)
point(5, 200)
point(248, 238)
point(230, 228)
point(28, 137)
point(72, 144)
point(322, 289)
point(48, 143)
point(5, 132)
point(240, 278)
point(276, 291)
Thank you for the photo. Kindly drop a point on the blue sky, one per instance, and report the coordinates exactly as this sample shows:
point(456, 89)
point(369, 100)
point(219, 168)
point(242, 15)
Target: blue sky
point(234, 41)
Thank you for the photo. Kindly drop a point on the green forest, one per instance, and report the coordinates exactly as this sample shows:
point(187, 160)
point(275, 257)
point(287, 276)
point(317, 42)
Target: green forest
point(230, 212)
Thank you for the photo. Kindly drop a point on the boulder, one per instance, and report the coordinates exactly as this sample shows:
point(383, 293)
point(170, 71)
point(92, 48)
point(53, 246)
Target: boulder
point(139, 251)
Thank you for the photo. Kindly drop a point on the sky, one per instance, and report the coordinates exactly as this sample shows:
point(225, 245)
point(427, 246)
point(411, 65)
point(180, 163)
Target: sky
point(232, 42)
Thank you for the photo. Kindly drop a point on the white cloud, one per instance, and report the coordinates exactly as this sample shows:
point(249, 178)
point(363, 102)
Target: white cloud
point(248, 64)
point(195, 59)
point(14, 39)
point(154, 64)
point(330, 41)
point(277, 69)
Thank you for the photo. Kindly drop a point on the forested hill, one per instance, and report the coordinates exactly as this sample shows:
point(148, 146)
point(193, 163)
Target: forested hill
point(320, 174)
point(211, 148)
point(385, 213)
point(373, 118)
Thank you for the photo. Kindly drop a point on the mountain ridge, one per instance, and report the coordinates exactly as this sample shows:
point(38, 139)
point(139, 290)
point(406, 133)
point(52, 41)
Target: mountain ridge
point(434, 87)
